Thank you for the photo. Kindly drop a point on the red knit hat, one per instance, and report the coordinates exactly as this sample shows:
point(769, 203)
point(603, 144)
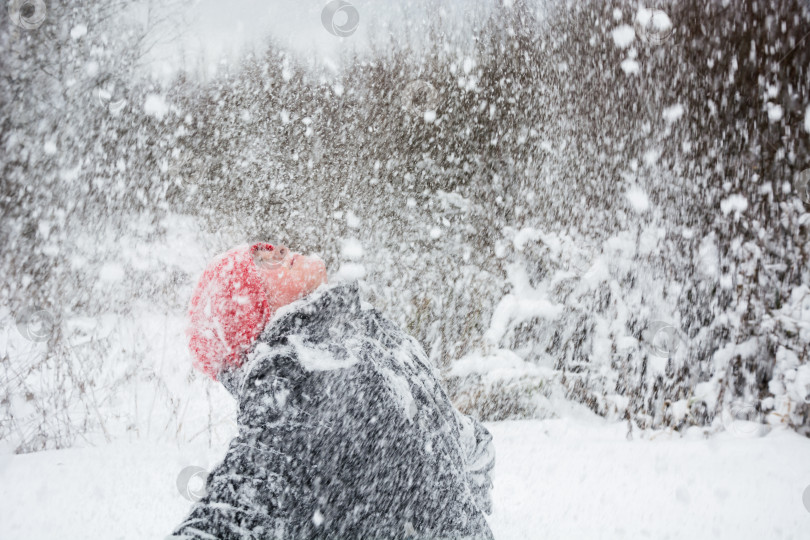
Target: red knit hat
point(228, 310)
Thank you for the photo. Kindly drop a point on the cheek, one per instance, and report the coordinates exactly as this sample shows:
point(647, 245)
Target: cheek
point(284, 285)
point(288, 288)
point(312, 268)
point(271, 279)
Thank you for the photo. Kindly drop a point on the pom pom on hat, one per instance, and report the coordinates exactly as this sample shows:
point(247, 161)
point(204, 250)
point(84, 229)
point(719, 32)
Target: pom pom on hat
point(228, 310)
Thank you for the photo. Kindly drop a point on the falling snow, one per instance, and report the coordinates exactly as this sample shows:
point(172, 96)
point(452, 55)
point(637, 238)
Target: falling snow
point(593, 221)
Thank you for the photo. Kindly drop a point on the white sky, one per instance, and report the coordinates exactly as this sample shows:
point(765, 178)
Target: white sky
point(213, 29)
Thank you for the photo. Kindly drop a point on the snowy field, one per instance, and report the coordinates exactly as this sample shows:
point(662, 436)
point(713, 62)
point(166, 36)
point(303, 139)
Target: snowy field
point(563, 478)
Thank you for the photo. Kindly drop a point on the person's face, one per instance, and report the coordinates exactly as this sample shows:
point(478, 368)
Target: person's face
point(288, 276)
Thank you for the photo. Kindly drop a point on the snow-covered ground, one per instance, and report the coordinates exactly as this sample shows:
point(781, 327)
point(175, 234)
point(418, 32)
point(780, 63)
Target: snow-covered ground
point(575, 477)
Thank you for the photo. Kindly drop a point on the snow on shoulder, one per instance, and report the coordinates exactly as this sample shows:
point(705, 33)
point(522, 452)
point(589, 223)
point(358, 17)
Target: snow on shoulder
point(318, 358)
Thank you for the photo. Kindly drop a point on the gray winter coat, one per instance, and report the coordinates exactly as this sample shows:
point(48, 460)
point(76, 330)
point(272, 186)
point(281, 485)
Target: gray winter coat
point(344, 432)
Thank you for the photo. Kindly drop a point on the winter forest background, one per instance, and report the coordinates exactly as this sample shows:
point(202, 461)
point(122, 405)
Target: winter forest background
point(597, 202)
